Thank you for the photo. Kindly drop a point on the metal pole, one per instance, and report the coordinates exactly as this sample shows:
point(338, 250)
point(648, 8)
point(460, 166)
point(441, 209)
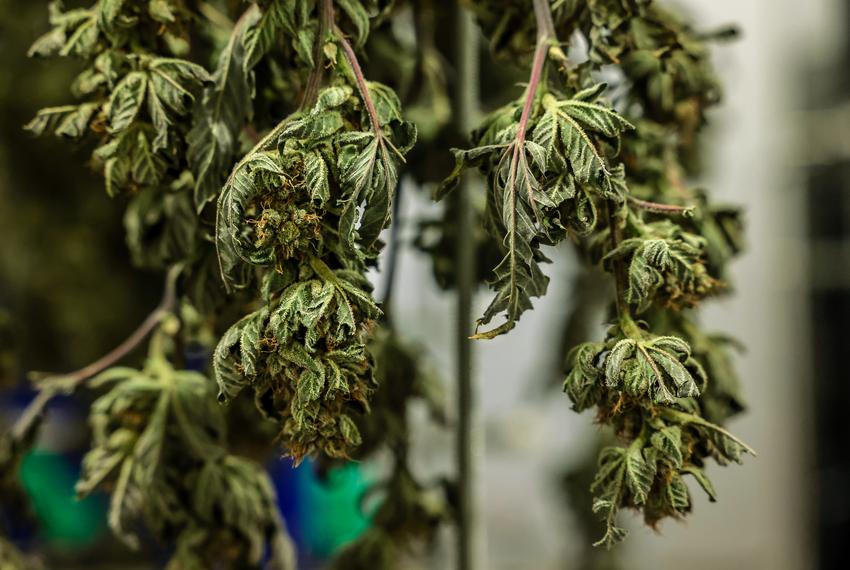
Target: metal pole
point(471, 539)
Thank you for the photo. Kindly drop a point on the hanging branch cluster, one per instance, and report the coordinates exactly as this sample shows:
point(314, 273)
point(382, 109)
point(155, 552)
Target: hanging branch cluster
point(562, 162)
point(159, 447)
point(174, 95)
point(298, 219)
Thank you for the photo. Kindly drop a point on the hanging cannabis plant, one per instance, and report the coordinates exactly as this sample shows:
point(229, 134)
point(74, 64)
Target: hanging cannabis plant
point(260, 166)
point(563, 162)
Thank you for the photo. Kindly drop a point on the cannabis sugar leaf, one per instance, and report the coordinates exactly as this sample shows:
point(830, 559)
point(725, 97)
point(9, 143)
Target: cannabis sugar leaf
point(540, 186)
point(654, 368)
point(220, 114)
point(664, 263)
point(305, 358)
point(165, 85)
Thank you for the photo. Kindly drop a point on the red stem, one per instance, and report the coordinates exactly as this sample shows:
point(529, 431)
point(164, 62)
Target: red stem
point(73, 379)
point(533, 82)
point(545, 25)
point(361, 82)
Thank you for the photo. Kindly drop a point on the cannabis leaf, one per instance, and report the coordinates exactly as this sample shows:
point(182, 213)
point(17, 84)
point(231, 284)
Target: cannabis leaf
point(166, 84)
point(532, 182)
point(308, 344)
point(239, 493)
point(664, 258)
point(259, 170)
point(583, 383)
point(74, 32)
point(149, 428)
point(220, 114)
point(130, 453)
point(368, 164)
point(338, 296)
point(609, 486)
point(564, 131)
point(70, 121)
point(654, 367)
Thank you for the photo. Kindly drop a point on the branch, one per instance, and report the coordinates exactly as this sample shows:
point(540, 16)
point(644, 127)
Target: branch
point(659, 208)
point(53, 385)
point(546, 30)
point(516, 150)
point(540, 53)
point(546, 36)
point(545, 25)
point(619, 270)
point(360, 79)
point(314, 80)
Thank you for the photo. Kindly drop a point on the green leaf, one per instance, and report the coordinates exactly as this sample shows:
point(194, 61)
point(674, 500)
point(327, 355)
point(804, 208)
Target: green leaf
point(69, 120)
point(81, 38)
point(583, 384)
point(261, 31)
point(596, 118)
point(145, 167)
point(639, 472)
point(316, 176)
point(162, 11)
point(703, 481)
point(685, 385)
point(349, 431)
point(664, 263)
point(723, 445)
point(678, 494)
point(369, 178)
point(172, 83)
point(623, 350)
point(220, 116)
point(126, 100)
point(668, 441)
point(608, 488)
point(359, 16)
point(465, 158)
point(518, 277)
point(314, 127)
point(331, 98)
point(243, 184)
point(228, 374)
point(108, 12)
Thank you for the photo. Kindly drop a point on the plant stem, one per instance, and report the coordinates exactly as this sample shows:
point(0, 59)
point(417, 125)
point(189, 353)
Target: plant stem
point(67, 383)
point(359, 78)
point(471, 537)
point(627, 324)
point(545, 37)
point(545, 25)
point(659, 208)
point(314, 80)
